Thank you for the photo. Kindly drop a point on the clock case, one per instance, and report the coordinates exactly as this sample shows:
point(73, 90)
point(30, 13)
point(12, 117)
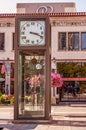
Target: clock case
point(47, 50)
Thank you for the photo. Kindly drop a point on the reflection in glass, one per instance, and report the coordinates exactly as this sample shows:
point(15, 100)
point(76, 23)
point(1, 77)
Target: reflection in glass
point(74, 91)
point(31, 84)
point(83, 40)
point(72, 69)
point(62, 41)
point(73, 41)
point(2, 41)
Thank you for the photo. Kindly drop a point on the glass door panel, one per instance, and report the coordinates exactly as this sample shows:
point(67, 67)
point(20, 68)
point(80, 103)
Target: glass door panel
point(31, 84)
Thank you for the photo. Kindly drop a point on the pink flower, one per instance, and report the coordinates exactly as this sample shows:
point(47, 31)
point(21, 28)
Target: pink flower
point(3, 69)
point(56, 80)
point(36, 80)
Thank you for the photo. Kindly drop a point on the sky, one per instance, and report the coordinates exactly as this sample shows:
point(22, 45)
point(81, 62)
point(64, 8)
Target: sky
point(9, 6)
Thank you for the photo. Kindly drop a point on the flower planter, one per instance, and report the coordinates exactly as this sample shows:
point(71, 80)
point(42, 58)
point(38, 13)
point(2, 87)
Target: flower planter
point(53, 100)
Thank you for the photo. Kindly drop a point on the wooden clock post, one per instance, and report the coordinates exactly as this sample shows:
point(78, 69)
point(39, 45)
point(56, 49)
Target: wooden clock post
point(32, 69)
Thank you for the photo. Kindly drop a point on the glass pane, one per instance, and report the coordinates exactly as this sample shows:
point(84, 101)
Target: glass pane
point(74, 91)
point(72, 69)
point(31, 84)
point(62, 41)
point(1, 41)
point(73, 41)
point(83, 40)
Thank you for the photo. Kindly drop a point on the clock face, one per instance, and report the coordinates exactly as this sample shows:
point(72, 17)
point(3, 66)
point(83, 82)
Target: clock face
point(38, 66)
point(32, 33)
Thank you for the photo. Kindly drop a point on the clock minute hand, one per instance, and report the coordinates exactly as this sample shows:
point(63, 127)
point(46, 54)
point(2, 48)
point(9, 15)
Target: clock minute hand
point(36, 34)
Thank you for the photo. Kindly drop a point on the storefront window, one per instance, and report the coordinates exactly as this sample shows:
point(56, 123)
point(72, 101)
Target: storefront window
point(74, 91)
point(74, 81)
point(72, 69)
point(31, 84)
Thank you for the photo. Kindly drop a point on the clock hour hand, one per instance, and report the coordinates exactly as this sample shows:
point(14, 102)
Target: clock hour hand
point(36, 34)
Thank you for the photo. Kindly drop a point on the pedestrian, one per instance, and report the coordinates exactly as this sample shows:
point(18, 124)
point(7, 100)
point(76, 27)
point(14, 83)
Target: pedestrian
point(7, 90)
point(77, 87)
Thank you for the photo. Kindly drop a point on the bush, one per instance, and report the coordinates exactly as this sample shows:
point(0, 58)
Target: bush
point(6, 99)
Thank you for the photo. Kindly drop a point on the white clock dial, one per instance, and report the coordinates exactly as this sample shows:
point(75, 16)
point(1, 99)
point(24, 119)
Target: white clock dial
point(38, 66)
point(32, 33)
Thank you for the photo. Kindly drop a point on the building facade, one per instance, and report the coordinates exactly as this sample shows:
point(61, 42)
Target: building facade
point(46, 7)
point(68, 36)
point(68, 43)
point(7, 30)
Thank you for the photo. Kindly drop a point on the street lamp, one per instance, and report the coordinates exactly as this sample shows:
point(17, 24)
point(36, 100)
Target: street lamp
point(53, 65)
point(54, 70)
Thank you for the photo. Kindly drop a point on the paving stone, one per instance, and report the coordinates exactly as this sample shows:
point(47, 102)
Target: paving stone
point(69, 117)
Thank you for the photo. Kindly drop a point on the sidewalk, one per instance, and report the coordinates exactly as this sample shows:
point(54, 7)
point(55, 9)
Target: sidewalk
point(65, 117)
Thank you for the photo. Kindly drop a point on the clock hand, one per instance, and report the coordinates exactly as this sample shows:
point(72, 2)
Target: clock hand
point(36, 34)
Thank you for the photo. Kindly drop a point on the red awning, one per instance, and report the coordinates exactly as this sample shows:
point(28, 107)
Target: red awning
point(74, 79)
point(12, 79)
point(67, 79)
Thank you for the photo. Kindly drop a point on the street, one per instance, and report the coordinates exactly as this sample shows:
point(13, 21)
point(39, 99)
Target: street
point(64, 117)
